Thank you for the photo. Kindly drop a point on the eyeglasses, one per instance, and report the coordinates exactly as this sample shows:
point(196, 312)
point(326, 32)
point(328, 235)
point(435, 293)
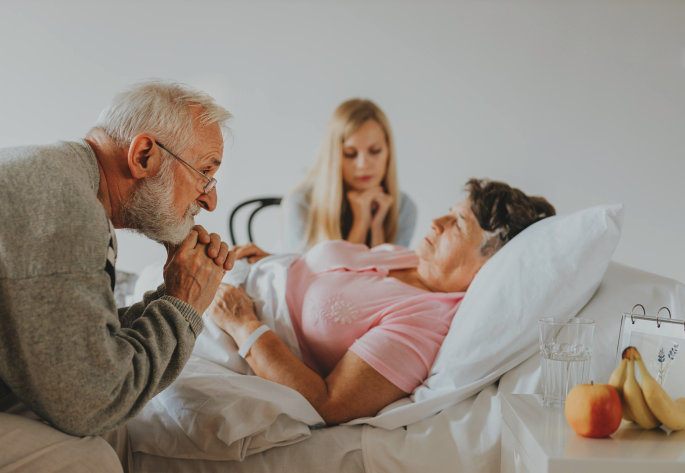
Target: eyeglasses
point(211, 182)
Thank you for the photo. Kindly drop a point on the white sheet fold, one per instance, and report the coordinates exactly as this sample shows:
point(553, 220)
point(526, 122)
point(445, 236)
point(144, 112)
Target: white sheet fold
point(464, 437)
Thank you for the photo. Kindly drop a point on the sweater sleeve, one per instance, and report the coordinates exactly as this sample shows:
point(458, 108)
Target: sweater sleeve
point(127, 315)
point(407, 221)
point(65, 354)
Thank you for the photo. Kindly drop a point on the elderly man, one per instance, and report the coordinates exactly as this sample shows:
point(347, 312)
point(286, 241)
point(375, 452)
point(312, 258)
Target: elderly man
point(71, 363)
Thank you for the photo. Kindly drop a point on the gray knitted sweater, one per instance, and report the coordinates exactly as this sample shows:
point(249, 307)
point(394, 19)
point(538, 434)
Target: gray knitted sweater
point(66, 351)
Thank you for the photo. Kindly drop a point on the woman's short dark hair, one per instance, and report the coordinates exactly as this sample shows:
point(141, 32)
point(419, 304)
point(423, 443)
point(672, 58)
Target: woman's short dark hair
point(504, 211)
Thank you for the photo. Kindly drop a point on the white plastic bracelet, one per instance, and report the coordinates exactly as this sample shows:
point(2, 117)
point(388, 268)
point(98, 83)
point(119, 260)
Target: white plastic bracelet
point(251, 339)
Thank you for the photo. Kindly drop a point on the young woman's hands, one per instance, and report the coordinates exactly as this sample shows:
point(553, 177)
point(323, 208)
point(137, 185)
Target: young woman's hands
point(369, 209)
point(361, 203)
point(382, 203)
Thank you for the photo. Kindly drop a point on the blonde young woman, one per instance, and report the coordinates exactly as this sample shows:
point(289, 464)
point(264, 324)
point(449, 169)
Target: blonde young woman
point(351, 192)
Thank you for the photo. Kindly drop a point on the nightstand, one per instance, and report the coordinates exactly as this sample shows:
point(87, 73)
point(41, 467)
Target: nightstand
point(537, 439)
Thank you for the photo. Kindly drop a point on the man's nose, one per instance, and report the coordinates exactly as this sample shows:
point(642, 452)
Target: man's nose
point(208, 201)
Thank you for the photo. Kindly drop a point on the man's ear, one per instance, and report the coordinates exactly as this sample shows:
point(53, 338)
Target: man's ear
point(144, 156)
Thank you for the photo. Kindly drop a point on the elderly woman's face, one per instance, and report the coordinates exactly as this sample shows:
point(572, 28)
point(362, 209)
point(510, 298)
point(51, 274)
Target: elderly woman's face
point(449, 256)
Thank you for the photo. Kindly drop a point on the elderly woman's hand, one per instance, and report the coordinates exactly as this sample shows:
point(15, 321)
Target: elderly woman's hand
point(252, 252)
point(233, 311)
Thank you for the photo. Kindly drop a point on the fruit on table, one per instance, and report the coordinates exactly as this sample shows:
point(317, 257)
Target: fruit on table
point(593, 410)
point(618, 377)
point(669, 412)
point(634, 397)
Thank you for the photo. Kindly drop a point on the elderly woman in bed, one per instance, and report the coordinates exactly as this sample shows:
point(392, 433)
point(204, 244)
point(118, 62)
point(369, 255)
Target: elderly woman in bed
point(369, 322)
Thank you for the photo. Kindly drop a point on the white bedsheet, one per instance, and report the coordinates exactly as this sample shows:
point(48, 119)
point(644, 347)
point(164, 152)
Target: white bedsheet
point(465, 437)
point(329, 450)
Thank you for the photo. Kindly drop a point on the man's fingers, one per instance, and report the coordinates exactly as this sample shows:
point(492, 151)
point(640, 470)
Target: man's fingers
point(230, 260)
point(222, 253)
point(214, 247)
point(190, 241)
point(202, 234)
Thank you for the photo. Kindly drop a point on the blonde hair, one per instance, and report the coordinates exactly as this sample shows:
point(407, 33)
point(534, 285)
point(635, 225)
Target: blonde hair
point(324, 188)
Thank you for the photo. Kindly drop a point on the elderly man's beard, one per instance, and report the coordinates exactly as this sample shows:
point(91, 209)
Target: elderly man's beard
point(150, 209)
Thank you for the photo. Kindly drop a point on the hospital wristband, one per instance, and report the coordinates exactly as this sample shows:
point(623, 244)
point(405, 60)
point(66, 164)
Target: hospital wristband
point(242, 351)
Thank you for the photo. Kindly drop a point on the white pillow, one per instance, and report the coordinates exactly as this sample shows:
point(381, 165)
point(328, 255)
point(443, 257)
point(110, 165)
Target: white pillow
point(551, 269)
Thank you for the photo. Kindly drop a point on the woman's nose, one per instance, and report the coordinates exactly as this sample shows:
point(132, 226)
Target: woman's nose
point(438, 224)
point(362, 160)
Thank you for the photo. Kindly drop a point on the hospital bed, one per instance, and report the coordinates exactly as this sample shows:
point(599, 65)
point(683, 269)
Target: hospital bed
point(215, 418)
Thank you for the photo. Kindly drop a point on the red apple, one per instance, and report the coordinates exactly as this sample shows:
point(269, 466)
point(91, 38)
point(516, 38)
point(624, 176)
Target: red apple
point(593, 410)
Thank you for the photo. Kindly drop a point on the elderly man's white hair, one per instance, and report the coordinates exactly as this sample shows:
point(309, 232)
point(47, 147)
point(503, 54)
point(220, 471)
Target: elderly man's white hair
point(163, 109)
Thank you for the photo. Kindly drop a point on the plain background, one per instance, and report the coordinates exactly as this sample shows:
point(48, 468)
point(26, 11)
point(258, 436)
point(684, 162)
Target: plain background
point(580, 101)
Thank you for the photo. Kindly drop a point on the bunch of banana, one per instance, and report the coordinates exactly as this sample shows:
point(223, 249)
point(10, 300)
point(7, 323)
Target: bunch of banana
point(618, 377)
point(647, 403)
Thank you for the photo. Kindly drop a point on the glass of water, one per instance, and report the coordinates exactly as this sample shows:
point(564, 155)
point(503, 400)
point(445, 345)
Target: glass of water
point(565, 352)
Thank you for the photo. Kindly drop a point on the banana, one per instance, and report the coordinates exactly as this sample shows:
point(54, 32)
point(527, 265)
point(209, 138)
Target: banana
point(632, 393)
point(617, 379)
point(668, 411)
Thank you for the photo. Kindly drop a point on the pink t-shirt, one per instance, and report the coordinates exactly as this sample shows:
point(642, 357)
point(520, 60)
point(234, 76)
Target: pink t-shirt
point(341, 298)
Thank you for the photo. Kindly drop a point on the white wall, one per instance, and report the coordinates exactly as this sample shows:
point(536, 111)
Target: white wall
point(580, 101)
